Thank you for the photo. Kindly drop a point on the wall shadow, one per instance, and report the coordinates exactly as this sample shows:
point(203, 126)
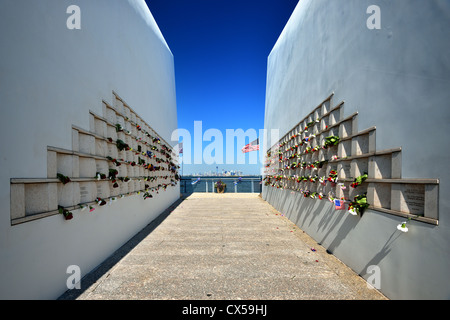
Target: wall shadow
point(93, 276)
point(304, 213)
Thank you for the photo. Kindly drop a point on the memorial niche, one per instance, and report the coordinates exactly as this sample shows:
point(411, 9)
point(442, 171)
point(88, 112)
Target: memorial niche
point(94, 180)
point(353, 170)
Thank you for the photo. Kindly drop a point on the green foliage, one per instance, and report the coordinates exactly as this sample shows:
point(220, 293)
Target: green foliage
point(360, 203)
point(331, 141)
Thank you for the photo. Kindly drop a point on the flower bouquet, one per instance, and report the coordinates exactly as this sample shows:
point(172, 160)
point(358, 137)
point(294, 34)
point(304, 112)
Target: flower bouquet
point(100, 176)
point(117, 163)
point(66, 213)
point(119, 127)
point(100, 202)
point(323, 180)
point(331, 141)
point(358, 205)
point(359, 180)
point(332, 177)
point(310, 124)
point(220, 186)
point(402, 227)
point(113, 174)
point(122, 145)
point(147, 195)
point(63, 178)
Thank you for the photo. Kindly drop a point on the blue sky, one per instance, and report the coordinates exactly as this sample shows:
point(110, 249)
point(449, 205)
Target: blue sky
point(220, 51)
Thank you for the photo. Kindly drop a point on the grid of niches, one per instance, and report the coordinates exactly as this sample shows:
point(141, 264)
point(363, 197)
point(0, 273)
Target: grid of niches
point(304, 165)
point(148, 164)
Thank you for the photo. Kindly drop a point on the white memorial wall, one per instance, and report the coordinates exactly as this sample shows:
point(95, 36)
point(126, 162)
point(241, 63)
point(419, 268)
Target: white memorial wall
point(88, 109)
point(371, 76)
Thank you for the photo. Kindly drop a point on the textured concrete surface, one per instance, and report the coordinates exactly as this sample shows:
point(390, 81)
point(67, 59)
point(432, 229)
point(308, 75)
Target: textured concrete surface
point(222, 247)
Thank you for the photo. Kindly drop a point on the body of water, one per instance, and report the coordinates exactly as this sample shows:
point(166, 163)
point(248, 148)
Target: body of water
point(243, 184)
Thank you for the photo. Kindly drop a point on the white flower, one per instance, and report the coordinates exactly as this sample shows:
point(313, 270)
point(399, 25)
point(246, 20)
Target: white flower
point(402, 227)
point(352, 211)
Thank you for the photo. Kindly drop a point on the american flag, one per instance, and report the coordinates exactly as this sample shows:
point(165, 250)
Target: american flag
point(178, 148)
point(339, 204)
point(254, 146)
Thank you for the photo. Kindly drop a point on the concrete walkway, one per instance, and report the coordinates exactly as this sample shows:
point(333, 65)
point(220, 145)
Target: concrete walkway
point(222, 247)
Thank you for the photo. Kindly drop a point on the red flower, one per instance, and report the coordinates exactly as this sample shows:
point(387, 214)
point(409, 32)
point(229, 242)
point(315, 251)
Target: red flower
point(68, 216)
point(66, 213)
point(100, 201)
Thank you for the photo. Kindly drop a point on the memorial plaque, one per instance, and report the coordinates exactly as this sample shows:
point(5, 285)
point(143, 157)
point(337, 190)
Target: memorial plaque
point(102, 166)
point(123, 187)
point(87, 167)
point(86, 143)
point(118, 104)
point(112, 151)
point(345, 129)
point(344, 169)
point(101, 148)
point(103, 189)
point(380, 167)
point(111, 133)
point(359, 167)
point(325, 107)
point(17, 201)
point(100, 127)
point(111, 115)
point(378, 194)
point(360, 145)
point(414, 197)
point(344, 149)
point(65, 164)
point(68, 195)
point(343, 191)
point(335, 116)
point(36, 198)
point(88, 192)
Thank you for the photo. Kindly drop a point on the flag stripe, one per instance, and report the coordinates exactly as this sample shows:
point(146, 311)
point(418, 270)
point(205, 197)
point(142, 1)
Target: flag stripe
point(253, 146)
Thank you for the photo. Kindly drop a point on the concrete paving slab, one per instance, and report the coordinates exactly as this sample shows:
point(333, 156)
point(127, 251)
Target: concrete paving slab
point(222, 247)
